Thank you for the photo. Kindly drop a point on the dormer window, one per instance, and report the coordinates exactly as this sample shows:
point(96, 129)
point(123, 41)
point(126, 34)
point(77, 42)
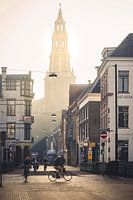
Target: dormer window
point(26, 88)
point(10, 85)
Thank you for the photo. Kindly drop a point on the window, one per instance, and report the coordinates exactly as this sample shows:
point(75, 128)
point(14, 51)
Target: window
point(123, 117)
point(10, 107)
point(26, 88)
point(27, 108)
point(10, 85)
point(61, 27)
point(58, 27)
point(26, 131)
point(11, 130)
point(123, 150)
point(123, 81)
point(57, 43)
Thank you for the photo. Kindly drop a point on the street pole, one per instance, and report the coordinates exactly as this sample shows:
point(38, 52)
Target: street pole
point(116, 117)
point(0, 164)
point(103, 151)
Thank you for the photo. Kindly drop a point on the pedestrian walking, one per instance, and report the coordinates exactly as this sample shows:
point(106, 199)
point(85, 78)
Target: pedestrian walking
point(45, 160)
point(26, 165)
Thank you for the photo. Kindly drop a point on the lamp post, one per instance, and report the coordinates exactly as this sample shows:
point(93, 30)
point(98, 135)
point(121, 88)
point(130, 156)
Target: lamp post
point(116, 116)
point(0, 164)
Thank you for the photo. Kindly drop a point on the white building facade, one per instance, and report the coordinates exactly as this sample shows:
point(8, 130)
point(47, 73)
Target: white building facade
point(16, 94)
point(116, 109)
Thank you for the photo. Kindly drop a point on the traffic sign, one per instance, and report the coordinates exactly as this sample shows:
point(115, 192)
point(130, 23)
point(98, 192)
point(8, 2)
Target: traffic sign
point(103, 134)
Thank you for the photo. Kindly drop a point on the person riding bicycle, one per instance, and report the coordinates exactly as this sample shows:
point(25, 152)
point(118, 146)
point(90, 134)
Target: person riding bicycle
point(59, 163)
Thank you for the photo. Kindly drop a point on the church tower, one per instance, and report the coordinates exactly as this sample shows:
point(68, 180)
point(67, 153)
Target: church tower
point(57, 88)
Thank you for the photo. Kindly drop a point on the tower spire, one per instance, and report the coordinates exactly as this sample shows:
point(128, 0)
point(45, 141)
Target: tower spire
point(59, 18)
point(59, 63)
point(60, 11)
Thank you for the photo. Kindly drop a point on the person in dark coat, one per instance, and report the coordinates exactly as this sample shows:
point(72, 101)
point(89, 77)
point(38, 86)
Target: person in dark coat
point(45, 160)
point(59, 162)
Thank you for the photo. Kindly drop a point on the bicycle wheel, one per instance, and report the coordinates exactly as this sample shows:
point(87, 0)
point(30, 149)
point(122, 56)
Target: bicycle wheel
point(67, 176)
point(52, 176)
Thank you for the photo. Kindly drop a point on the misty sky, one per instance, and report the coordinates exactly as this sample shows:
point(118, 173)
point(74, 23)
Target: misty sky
point(26, 27)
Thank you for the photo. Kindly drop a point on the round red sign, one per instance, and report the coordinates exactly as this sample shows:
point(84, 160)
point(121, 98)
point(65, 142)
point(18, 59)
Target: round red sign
point(103, 135)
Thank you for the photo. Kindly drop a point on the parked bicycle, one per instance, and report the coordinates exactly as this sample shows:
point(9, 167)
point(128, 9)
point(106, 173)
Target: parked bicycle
point(60, 173)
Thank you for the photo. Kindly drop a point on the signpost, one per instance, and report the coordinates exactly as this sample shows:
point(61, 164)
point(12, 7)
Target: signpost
point(103, 135)
point(104, 132)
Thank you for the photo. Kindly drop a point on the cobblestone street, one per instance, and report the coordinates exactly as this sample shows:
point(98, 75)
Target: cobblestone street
point(83, 186)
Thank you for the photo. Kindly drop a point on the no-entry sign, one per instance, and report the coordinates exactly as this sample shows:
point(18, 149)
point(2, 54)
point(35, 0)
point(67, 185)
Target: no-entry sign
point(103, 134)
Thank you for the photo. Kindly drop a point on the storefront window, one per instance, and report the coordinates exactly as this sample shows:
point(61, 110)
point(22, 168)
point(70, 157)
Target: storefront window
point(123, 151)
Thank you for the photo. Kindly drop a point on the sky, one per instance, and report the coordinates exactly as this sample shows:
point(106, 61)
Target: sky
point(26, 27)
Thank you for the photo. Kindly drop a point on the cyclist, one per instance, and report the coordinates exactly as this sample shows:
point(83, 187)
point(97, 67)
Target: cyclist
point(59, 163)
point(60, 170)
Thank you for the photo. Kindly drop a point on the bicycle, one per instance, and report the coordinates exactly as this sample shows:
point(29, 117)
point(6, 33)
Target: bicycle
point(59, 173)
point(26, 172)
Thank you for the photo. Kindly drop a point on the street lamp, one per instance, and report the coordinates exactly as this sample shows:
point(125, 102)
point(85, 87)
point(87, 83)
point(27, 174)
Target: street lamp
point(53, 115)
point(54, 121)
point(53, 75)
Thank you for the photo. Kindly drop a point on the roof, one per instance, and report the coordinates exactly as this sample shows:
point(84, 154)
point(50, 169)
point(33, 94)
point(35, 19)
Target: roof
point(95, 87)
point(125, 49)
point(17, 76)
point(75, 90)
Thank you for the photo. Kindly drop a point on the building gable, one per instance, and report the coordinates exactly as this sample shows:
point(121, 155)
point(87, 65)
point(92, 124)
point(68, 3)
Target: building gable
point(125, 49)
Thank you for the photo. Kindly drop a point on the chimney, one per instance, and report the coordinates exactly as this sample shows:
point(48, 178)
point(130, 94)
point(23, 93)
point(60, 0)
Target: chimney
point(29, 74)
point(4, 73)
point(97, 68)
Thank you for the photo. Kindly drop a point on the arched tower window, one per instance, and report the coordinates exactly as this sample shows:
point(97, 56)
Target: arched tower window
point(61, 27)
point(57, 43)
point(58, 27)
